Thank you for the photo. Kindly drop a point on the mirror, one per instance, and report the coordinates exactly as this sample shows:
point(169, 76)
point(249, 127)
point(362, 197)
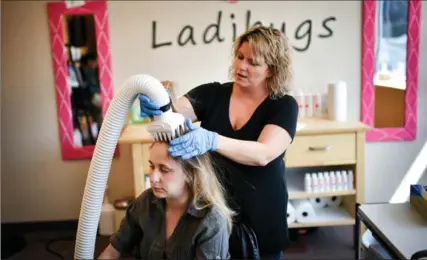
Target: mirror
point(390, 63)
point(391, 35)
point(82, 79)
point(82, 73)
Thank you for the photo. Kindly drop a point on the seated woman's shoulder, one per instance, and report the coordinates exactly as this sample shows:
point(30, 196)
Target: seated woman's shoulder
point(216, 218)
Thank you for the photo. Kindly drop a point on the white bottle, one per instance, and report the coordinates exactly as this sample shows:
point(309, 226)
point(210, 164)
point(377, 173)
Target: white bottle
point(107, 221)
point(307, 183)
point(299, 96)
point(77, 138)
point(350, 180)
point(308, 104)
point(321, 182)
point(344, 180)
point(339, 180)
point(317, 105)
point(327, 180)
point(324, 105)
point(333, 181)
point(315, 182)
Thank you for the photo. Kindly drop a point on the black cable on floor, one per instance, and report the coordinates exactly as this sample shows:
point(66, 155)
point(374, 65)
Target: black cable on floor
point(52, 241)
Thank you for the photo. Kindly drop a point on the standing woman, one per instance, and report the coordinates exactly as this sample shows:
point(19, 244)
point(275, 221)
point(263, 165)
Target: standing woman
point(247, 124)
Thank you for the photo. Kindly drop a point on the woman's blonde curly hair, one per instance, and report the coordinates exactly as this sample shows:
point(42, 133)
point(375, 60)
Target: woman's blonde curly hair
point(273, 47)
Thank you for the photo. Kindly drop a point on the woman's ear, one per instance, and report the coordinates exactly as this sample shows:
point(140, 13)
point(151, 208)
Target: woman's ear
point(270, 72)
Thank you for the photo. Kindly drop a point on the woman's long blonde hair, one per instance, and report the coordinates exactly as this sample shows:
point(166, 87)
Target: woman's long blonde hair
point(204, 186)
point(273, 47)
point(203, 183)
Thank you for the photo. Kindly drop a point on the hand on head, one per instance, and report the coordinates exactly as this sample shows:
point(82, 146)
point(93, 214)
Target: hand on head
point(195, 142)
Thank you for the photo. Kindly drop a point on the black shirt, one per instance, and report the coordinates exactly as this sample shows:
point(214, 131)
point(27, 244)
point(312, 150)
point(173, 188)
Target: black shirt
point(258, 193)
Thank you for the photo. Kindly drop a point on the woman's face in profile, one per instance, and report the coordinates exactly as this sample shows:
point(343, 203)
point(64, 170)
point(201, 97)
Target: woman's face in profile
point(249, 71)
point(167, 179)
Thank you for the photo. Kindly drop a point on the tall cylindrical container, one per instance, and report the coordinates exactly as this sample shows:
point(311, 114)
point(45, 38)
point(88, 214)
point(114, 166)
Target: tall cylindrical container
point(337, 101)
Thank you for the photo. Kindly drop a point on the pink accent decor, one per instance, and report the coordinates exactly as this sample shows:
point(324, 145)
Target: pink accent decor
point(56, 12)
point(409, 131)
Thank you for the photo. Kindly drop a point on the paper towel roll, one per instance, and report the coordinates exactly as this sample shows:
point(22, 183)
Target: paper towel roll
point(304, 211)
point(333, 201)
point(318, 202)
point(337, 101)
point(291, 214)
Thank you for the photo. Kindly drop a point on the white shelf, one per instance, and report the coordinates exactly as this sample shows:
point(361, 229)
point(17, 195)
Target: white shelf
point(328, 216)
point(295, 184)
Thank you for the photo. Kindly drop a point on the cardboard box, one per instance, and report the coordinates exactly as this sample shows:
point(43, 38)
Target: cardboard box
point(418, 199)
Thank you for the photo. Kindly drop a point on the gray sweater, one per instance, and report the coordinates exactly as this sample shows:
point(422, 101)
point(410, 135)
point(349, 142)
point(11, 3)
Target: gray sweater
point(199, 234)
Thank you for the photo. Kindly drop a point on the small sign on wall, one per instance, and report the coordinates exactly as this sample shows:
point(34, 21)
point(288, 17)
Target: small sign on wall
point(74, 3)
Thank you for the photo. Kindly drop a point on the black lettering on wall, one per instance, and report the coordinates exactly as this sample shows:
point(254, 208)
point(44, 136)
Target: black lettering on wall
point(154, 43)
point(190, 36)
point(234, 28)
point(327, 28)
point(248, 21)
point(304, 31)
point(217, 27)
point(282, 29)
point(300, 36)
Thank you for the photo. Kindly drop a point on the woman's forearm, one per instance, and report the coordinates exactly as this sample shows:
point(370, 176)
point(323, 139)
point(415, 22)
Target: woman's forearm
point(183, 106)
point(245, 152)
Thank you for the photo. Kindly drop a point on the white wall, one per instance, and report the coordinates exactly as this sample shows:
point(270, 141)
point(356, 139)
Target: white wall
point(33, 173)
point(325, 59)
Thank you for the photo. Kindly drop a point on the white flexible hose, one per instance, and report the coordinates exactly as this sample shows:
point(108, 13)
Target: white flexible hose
point(100, 165)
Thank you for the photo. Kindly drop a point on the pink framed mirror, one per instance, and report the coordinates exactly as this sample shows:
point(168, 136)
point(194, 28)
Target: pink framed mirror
point(82, 72)
point(390, 49)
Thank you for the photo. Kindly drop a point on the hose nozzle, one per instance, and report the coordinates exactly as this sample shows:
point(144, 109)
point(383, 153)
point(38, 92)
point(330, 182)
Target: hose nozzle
point(167, 126)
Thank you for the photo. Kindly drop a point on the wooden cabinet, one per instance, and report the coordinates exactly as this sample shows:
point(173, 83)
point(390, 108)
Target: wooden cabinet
point(319, 142)
point(322, 149)
point(324, 143)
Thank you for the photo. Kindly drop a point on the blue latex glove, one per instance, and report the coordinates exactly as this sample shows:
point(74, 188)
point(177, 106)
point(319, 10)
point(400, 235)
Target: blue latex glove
point(195, 142)
point(148, 107)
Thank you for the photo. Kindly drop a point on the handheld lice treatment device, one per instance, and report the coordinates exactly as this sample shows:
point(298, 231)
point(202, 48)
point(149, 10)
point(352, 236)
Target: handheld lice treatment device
point(164, 127)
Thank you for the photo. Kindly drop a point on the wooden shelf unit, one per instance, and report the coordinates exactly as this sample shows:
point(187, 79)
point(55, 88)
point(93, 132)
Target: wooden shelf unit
point(318, 142)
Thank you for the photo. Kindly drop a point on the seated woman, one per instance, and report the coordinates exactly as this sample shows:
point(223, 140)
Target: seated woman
point(182, 216)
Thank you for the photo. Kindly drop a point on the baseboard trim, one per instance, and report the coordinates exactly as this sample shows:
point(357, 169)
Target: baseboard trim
point(39, 226)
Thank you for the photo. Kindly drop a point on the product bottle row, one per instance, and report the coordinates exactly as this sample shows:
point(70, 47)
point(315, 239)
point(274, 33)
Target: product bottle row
point(329, 181)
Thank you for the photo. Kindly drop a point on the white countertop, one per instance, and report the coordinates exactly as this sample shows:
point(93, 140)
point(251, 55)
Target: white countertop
point(400, 224)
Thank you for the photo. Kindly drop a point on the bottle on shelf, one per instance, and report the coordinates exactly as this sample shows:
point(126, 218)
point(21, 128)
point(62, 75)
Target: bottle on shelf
point(350, 180)
point(321, 182)
point(339, 182)
point(308, 183)
point(327, 181)
point(333, 181)
point(317, 104)
point(344, 180)
point(299, 96)
point(308, 97)
point(315, 182)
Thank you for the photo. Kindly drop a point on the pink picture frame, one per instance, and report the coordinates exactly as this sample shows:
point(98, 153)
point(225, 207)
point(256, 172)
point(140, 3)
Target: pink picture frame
point(409, 131)
point(56, 12)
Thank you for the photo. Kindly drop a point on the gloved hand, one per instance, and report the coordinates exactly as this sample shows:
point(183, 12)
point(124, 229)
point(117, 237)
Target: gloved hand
point(195, 142)
point(148, 107)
